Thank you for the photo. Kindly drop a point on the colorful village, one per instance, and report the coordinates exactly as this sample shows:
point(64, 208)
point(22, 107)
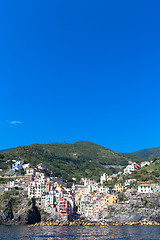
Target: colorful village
point(84, 200)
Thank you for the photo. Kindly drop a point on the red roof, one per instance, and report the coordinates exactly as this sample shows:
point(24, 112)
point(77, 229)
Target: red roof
point(147, 185)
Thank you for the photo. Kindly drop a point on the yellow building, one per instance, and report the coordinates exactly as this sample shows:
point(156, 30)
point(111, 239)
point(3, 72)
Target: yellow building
point(112, 199)
point(108, 199)
point(118, 187)
point(109, 179)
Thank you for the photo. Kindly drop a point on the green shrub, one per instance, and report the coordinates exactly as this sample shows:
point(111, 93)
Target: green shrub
point(29, 202)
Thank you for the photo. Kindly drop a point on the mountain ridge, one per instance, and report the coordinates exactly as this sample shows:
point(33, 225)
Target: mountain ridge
point(68, 160)
point(147, 153)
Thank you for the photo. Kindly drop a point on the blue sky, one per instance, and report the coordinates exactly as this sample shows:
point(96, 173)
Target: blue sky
point(80, 70)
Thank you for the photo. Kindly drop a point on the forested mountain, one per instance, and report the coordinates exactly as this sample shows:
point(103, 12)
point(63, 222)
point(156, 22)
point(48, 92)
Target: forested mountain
point(80, 159)
point(148, 153)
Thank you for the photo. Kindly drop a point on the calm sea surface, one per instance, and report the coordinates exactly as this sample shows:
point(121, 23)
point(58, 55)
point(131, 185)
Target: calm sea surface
point(82, 233)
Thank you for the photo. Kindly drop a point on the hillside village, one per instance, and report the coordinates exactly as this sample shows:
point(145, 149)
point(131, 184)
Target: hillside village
point(87, 199)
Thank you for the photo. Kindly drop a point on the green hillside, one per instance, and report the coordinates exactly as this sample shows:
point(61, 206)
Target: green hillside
point(146, 154)
point(150, 174)
point(80, 159)
point(6, 150)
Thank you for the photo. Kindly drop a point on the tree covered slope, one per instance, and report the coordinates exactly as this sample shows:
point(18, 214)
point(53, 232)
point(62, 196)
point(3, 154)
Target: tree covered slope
point(148, 153)
point(80, 159)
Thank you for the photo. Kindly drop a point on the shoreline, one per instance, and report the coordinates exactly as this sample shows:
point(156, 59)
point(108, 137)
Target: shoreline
point(84, 224)
point(101, 224)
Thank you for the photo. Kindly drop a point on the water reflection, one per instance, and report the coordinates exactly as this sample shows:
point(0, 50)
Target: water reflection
point(81, 233)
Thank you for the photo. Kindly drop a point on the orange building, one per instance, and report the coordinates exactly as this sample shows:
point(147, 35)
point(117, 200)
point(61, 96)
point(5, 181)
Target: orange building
point(63, 206)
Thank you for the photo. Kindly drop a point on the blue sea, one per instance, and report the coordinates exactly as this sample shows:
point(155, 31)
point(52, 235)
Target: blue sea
point(82, 233)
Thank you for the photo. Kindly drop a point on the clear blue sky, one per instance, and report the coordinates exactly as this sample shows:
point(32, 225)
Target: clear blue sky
point(80, 70)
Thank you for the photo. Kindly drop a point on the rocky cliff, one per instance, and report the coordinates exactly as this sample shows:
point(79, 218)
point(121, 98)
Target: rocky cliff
point(146, 208)
point(25, 214)
point(16, 209)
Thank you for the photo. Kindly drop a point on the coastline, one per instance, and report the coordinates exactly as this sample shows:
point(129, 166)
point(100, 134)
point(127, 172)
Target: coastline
point(101, 224)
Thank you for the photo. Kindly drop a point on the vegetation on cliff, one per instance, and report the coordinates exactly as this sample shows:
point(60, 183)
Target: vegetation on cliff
point(150, 174)
point(80, 159)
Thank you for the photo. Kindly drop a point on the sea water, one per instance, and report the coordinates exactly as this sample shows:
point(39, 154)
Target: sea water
point(82, 233)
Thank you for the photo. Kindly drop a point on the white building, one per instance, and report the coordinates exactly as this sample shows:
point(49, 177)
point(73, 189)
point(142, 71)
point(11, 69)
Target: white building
point(103, 190)
point(25, 166)
point(103, 178)
point(146, 163)
point(91, 188)
point(30, 171)
point(144, 188)
point(49, 199)
point(132, 167)
point(17, 165)
point(37, 189)
point(129, 169)
point(39, 177)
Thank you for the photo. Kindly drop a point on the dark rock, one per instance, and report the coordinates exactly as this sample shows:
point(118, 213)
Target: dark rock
point(33, 216)
point(8, 214)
